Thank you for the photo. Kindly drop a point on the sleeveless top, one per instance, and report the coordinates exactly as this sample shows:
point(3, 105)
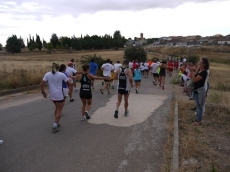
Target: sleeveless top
point(123, 83)
point(137, 74)
point(85, 83)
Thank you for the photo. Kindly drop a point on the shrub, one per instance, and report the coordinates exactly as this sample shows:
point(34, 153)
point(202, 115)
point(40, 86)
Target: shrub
point(193, 58)
point(135, 53)
point(86, 59)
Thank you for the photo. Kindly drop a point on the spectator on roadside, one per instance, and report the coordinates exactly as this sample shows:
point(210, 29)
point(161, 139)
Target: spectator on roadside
point(199, 89)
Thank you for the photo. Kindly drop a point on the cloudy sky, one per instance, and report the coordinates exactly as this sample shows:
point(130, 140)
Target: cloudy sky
point(154, 18)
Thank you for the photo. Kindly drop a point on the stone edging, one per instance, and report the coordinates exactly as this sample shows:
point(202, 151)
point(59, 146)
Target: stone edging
point(175, 151)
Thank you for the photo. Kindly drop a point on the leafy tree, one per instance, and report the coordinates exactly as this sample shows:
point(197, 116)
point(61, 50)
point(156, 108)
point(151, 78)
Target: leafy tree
point(76, 44)
point(33, 46)
point(107, 42)
point(13, 44)
point(0, 47)
point(54, 40)
point(117, 39)
point(44, 43)
point(49, 47)
point(193, 58)
point(65, 41)
point(22, 44)
point(135, 53)
point(38, 42)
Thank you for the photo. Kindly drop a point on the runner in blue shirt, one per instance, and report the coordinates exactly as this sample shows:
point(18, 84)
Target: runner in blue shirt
point(137, 78)
point(93, 70)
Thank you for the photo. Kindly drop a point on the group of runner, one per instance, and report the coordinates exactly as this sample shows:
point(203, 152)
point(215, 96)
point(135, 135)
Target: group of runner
point(62, 80)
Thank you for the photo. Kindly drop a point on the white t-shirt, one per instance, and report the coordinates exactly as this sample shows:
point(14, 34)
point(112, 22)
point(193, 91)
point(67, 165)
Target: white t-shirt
point(146, 65)
point(116, 67)
point(130, 65)
point(55, 84)
point(107, 68)
point(154, 67)
point(70, 71)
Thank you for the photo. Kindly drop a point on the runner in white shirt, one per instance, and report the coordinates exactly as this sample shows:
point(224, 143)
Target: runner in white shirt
point(70, 71)
point(107, 68)
point(154, 68)
point(146, 71)
point(130, 64)
point(117, 67)
point(54, 80)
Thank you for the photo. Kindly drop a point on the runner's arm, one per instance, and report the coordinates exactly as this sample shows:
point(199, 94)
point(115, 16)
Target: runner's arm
point(130, 74)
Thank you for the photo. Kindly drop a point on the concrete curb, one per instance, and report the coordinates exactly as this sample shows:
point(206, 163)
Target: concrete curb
point(18, 90)
point(175, 151)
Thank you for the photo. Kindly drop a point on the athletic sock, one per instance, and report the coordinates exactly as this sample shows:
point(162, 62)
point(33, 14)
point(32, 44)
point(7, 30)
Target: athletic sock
point(55, 125)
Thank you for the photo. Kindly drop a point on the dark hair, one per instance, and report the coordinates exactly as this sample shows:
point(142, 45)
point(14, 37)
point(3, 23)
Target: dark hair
point(85, 67)
point(111, 62)
point(164, 62)
point(62, 68)
point(72, 60)
point(92, 60)
point(206, 63)
point(118, 61)
point(125, 62)
point(108, 60)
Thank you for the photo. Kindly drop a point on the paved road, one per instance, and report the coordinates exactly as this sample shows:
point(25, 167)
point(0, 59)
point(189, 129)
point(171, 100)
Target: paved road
point(29, 145)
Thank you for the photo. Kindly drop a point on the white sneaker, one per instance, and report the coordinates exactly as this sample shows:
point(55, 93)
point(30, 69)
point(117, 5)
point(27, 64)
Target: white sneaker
point(83, 118)
point(1, 142)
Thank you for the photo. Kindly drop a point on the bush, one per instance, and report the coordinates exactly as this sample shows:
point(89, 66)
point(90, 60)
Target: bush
point(193, 58)
point(86, 59)
point(135, 53)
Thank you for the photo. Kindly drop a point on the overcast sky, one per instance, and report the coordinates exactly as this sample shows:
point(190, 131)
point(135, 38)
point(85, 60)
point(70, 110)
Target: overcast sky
point(153, 18)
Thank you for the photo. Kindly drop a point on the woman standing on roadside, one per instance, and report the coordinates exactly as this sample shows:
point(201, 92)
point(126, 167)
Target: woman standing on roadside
point(85, 90)
point(54, 80)
point(162, 74)
point(199, 89)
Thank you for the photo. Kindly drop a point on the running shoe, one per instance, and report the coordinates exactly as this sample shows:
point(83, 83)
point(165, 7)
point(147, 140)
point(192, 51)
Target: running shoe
point(136, 91)
point(58, 125)
point(126, 113)
point(56, 129)
point(83, 118)
point(116, 114)
point(87, 115)
point(71, 100)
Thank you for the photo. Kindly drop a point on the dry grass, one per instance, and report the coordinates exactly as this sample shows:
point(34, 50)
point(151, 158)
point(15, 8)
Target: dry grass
point(202, 145)
point(168, 146)
point(22, 70)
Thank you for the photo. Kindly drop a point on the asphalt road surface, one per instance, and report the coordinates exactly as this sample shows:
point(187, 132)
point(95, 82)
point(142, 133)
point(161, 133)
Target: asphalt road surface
point(102, 144)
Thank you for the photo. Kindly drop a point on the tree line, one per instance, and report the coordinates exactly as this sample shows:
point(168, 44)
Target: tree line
point(116, 41)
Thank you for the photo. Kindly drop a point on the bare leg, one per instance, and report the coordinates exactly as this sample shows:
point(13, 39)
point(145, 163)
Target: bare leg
point(83, 106)
point(88, 106)
point(126, 96)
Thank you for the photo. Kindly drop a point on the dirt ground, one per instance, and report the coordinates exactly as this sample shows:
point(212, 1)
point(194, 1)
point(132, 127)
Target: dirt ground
point(206, 147)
